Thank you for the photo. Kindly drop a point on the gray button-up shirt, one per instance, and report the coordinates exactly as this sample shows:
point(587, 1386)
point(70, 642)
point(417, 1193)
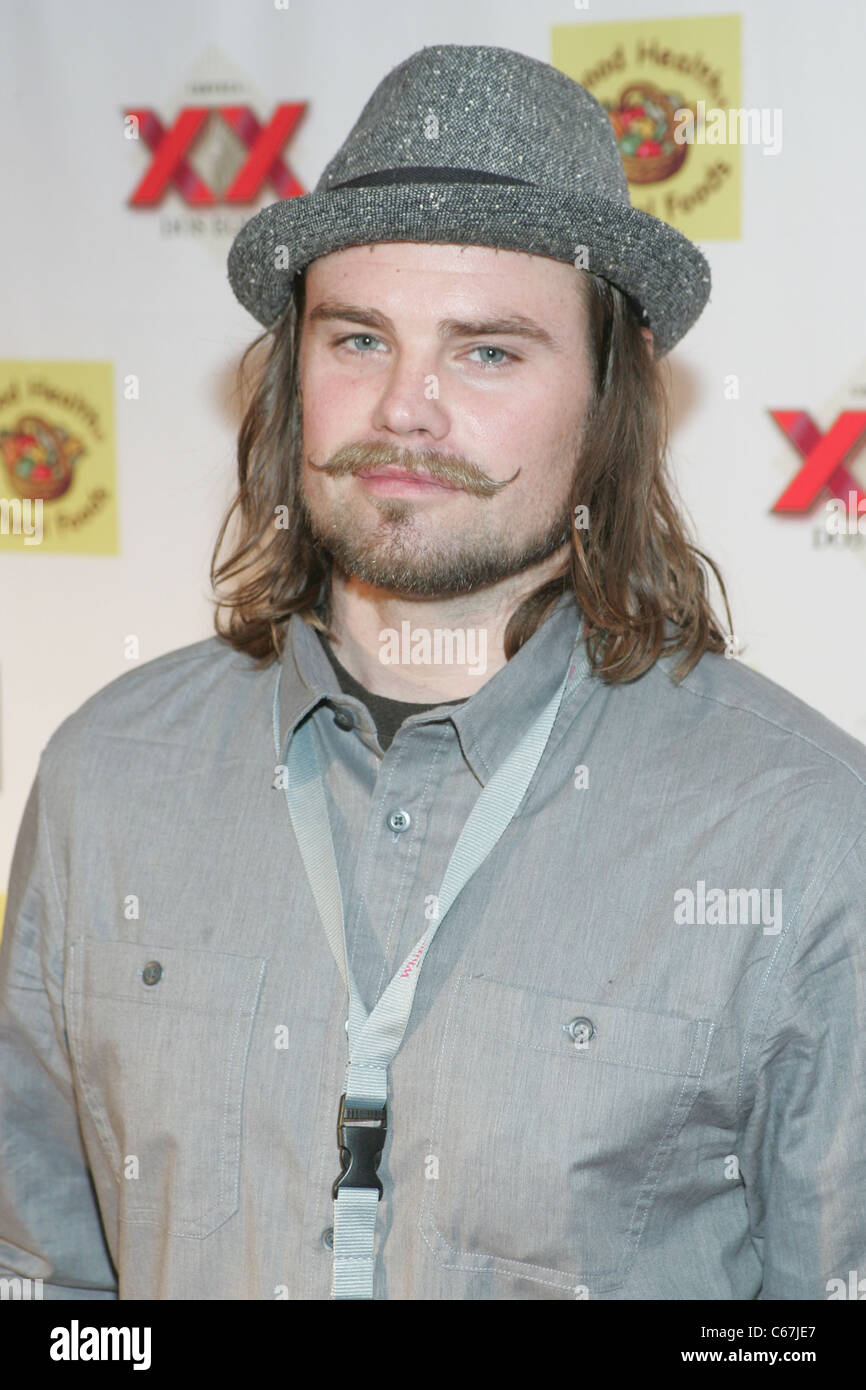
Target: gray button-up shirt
point(635, 1063)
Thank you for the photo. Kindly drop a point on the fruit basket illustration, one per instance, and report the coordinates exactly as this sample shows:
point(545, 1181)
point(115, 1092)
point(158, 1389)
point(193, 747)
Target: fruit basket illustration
point(644, 122)
point(39, 457)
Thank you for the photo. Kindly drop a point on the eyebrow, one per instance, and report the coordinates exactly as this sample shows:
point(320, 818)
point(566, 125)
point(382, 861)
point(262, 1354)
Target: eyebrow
point(510, 325)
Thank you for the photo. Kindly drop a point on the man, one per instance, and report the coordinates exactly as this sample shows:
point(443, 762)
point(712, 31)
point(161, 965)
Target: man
point(465, 844)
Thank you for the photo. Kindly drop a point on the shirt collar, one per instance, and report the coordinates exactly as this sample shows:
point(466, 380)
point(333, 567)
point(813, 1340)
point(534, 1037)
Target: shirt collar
point(488, 724)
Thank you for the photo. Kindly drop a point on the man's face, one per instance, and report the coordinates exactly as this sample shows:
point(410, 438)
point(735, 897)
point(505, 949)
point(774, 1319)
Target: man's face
point(406, 363)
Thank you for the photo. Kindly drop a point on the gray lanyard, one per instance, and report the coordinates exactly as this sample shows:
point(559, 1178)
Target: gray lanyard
point(375, 1036)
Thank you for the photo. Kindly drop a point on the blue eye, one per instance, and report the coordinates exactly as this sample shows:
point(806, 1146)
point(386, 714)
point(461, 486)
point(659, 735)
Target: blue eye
point(357, 338)
point(488, 347)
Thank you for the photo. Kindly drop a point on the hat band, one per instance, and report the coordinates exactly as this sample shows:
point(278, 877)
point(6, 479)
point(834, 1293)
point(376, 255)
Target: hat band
point(428, 174)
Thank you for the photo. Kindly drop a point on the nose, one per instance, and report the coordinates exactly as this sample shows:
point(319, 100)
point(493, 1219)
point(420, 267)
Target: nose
point(409, 403)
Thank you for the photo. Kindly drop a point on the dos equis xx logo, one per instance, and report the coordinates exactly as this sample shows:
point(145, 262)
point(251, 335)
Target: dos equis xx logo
point(172, 145)
point(824, 458)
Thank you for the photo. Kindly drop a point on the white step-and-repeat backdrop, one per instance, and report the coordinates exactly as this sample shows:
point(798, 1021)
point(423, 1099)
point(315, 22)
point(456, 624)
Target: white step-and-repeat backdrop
point(120, 334)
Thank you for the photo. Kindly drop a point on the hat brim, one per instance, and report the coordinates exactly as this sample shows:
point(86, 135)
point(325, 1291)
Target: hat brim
point(644, 256)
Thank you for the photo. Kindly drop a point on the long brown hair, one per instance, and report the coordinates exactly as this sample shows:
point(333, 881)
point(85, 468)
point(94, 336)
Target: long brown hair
point(633, 569)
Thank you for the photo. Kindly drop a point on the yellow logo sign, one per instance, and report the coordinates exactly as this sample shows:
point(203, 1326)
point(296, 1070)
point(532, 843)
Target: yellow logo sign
point(671, 88)
point(58, 489)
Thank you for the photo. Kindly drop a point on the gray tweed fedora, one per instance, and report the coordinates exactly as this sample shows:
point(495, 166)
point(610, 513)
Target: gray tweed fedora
point(487, 147)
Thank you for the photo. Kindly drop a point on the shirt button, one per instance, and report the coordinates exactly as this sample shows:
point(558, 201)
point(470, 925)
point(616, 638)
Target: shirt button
point(399, 821)
point(580, 1030)
point(328, 1238)
point(343, 719)
point(152, 972)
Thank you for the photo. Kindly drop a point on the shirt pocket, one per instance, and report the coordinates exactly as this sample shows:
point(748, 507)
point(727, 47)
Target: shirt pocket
point(159, 1038)
point(554, 1119)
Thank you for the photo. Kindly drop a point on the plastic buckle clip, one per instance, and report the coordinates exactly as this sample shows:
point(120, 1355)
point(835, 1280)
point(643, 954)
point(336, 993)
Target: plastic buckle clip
point(361, 1134)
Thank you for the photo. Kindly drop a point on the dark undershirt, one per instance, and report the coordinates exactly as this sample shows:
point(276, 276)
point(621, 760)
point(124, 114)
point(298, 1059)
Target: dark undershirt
point(387, 715)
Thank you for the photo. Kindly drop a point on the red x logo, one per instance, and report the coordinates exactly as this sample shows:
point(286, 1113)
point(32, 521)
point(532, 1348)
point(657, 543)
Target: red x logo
point(170, 148)
point(823, 454)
